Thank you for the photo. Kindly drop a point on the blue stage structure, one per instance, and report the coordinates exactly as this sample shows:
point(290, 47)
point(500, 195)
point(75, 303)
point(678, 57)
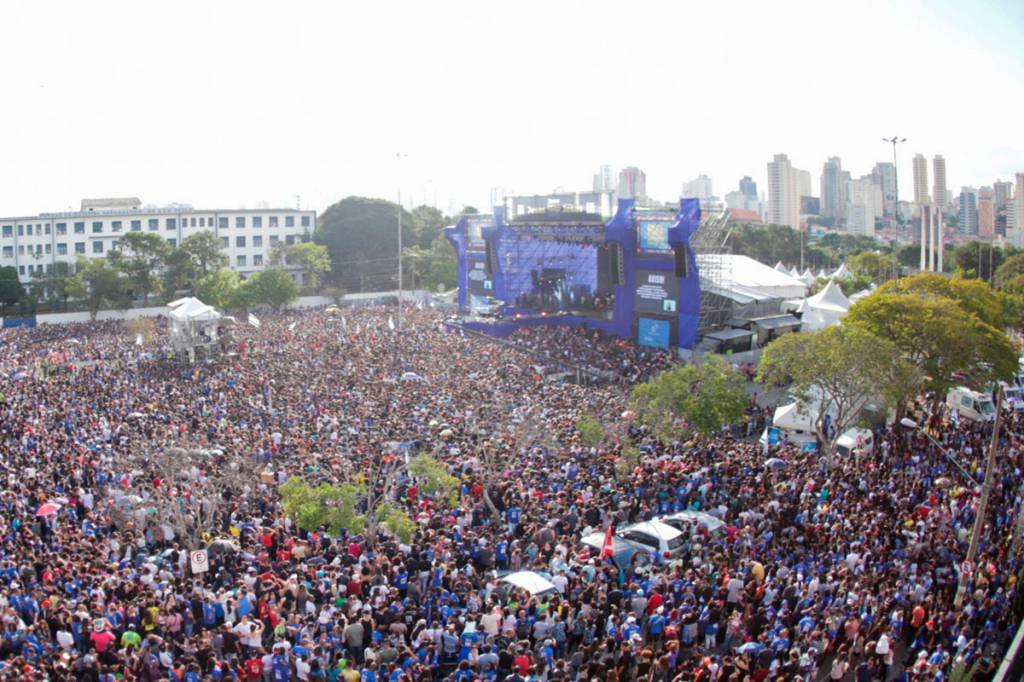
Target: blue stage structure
point(635, 276)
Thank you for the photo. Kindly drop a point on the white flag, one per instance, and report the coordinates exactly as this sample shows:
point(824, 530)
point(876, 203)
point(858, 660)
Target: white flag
point(138, 339)
point(391, 323)
point(254, 321)
point(344, 322)
point(291, 327)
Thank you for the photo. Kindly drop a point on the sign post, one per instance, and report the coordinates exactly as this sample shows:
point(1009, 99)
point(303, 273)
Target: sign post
point(200, 561)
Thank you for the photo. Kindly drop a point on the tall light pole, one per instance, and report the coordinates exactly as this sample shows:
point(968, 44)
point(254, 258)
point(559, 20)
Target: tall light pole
point(895, 140)
point(399, 158)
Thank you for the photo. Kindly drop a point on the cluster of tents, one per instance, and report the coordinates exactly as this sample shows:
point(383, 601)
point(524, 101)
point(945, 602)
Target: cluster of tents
point(825, 308)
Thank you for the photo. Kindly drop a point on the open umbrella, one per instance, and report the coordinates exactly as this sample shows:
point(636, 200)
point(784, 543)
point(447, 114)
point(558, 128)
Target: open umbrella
point(943, 482)
point(775, 463)
point(48, 509)
point(410, 376)
point(18, 376)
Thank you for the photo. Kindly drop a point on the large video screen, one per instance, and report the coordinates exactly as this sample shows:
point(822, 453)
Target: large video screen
point(565, 271)
point(652, 237)
point(657, 291)
point(651, 332)
point(481, 287)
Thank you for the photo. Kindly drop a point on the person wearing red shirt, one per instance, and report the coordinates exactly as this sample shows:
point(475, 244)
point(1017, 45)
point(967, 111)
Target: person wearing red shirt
point(254, 667)
point(101, 639)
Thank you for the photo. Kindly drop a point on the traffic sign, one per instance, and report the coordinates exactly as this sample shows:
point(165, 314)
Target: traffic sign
point(200, 562)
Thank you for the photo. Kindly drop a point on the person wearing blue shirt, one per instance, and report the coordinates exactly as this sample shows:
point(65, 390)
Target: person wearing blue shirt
point(512, 516)
point(280, 666)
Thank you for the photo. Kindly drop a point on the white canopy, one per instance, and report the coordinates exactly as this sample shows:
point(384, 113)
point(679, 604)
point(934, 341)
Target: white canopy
point(841, 272)
point(808, 278)
point(859, 295)
point(531, 582)
point(779, 267)
point(192, 310)
point(830, 299)
point(750, 275)
point(793, 417)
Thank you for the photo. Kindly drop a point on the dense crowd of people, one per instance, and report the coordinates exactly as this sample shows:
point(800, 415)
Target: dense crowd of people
point(843, 570)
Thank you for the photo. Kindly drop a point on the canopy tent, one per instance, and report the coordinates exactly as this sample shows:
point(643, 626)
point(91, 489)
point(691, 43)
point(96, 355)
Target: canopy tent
point(195, 326)
point(830, 298)
point(841, 271)
point(779, 267)
point(532, 582)
point(749, 275)
point(192, 310)
point(793, 417)
point(861, 294)
point(808, 277)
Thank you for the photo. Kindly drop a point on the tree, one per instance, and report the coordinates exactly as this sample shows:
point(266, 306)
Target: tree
point(873, 265)
point(1009, 276)
point(590, 429)
point(429, 224)
point(271, 287)
point(707, 396)
point(141, 257)
point(848, 285)
point(836, 373)
point(313, 259)
point(361, 237)
point(978, 260)
point(205, 252)
point(432, 267)
point(330, 506)
point(972, 295)
point(944, 341)
point(11, 290)
point(434, 479)
point(99, 285)
point(220, 289)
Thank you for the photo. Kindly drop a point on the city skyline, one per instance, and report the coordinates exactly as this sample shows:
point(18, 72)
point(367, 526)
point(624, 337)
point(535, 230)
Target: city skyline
point(240, 103)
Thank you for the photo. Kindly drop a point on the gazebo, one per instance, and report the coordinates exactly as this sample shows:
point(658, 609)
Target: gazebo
point(197, 329)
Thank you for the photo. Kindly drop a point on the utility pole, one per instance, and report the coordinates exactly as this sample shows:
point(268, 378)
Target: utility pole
point(399, 157)
point(895, 140)
point(986, 489)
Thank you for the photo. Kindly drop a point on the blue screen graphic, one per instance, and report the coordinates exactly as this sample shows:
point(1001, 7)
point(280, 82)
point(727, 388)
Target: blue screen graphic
point(652, 236)
point(650, 332)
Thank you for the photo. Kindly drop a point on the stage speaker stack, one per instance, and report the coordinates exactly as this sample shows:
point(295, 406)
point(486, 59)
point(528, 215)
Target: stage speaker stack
point(682, 261)
point(492, 258)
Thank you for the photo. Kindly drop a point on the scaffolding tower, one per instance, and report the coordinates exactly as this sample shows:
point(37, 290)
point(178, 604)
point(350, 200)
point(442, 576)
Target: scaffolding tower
point(710, 244)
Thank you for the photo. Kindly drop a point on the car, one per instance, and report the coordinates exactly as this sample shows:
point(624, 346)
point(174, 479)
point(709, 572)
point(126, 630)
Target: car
point(684, 521)
point(653, 536)
point(622, 551)
point(855, 442)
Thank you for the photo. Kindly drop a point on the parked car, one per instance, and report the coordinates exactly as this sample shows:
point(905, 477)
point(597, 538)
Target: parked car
point(684, 520)
point(653, 536)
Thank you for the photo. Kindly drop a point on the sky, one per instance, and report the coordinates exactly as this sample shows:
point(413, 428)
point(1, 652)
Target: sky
point(238, 104)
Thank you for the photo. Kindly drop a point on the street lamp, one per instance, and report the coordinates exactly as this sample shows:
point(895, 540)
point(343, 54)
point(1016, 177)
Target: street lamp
point(895, 140)
point(911, 424)
point(399, 158)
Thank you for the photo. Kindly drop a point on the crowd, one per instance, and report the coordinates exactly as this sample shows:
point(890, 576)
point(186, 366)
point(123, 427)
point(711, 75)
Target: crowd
point(825, 570)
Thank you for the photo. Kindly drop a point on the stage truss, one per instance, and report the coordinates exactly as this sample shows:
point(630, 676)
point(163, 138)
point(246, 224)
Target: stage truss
point(710, 244)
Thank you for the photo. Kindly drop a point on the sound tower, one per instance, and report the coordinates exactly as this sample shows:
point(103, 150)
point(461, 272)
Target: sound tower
point(682, 261)
point(620, 265)
point(492, 258)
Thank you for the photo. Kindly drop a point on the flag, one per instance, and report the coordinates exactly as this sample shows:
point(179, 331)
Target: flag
point(344, 322)
point(138, 339)
point(254, 321)
point(606, 548)
point(391, 323)
point(291, 327)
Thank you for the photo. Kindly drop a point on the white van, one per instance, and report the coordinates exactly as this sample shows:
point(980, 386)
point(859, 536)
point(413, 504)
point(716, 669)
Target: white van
point(969, 404)
point(855, 442)
point(1013, 397)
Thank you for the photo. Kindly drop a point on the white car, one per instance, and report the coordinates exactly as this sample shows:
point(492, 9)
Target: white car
point(653, 536)
point(684, 520)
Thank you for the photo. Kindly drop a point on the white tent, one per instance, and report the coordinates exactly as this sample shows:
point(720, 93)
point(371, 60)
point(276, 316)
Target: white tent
point(779, 267)
point(830, 299)
point(192, 310)
point(749, 275)
point(194, 326)
point(808, 277)
point(841, 271)
point(794, 273)
point(859, 295)
point(793, 417)
point(531, 582)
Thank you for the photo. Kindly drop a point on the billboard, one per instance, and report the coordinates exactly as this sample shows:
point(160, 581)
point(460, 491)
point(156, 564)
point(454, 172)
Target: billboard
point(657, 291)
point(652, 237)
point(479, 283)
point(652, 332)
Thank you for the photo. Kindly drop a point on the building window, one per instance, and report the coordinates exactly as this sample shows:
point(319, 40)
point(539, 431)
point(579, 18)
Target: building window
point(172, 242)
point(21, 270)
point(79, 247)
point(193, 222)
point(202, 222)
point(79, 228)
point(257, 241)
point(274, 239)
point(136, 226)
point(62, 228)
point(273, 221)
point(97, 247)
point(257, 221)
point(240, 241)
point(240, 261)
point(222, 222)
point(115, 225)
point(172, 223)
point(305, 221)
point(224, 242)
point(47, 228)
point(8, 252)
point(62, 249)
point(257, 259)
point(97, 227)
point(47, 249)
point(240, 221)
point(289, 221)
point(290, 239)
point(21, 230)
point(113, 245)
point(39, 249)
point(8, 231)
point(21, 249)
point(154, 223)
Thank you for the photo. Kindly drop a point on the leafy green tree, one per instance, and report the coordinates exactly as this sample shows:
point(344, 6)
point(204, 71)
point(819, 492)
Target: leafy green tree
point(591, 430)
point(98, 283)
point(11, 290)
point(361, 236)
point(1009, 276)
point(434, 479)
point(877, 267)
point(205, 252)
point(429, 224)
point(220, 289)
point(707, 396)
point(838, 371)
point(271, 287)
point(972, 295)
point(978, 260)
point(944, 341)
point(140, 256)
point(334, 507)
point(313, 259)
point(849, 285)
point(432, 267)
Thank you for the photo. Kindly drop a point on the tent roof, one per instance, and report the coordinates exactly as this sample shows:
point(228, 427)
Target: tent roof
point(859, 295)
point(830, 298)
point(841, 271)
point(530, 581)
point(793, 416)
point(193, 310)
point(735, 271)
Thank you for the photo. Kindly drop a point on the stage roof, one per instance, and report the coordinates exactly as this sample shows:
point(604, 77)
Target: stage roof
point(748, 274)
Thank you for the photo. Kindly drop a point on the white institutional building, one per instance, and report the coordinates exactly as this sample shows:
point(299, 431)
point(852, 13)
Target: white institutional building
point(32, 244)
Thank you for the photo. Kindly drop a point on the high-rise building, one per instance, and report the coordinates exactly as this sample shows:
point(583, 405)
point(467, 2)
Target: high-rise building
point(884, 175)
point(605, 179)
point(783, 197)
point(864, 205)
point(986, 213)
point(833, 190)
point(1018, 202)
point(921, 180)
point(939, 179)
point(748, 187)
point(968, 211)
point(803, 183)
point(632, 183)
point(698, 188)
point(1002, 192)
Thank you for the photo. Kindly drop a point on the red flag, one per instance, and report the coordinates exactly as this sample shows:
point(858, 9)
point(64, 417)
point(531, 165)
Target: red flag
point(606, 548)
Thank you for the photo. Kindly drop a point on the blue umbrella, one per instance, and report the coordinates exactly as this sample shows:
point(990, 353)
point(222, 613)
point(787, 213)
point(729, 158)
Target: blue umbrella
point(776, 463)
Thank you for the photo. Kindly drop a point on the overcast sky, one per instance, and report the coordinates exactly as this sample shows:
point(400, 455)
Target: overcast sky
point(224, 104)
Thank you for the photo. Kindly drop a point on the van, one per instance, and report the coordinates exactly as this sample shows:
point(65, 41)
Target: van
point(969, 404)
point(855, 442)
point(1013, 397)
